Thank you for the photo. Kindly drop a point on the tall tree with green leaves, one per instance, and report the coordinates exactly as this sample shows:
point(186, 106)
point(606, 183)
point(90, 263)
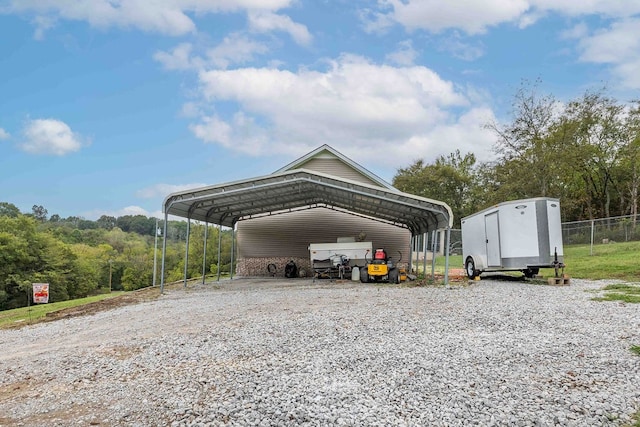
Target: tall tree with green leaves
point(630, 159)
point(450, 179)
point(529, 157)
point(596, 141)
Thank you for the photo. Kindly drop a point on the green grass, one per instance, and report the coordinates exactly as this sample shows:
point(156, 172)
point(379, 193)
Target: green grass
point(36, 313)
point(635, 349)
point(612, 261)
point(621, 292)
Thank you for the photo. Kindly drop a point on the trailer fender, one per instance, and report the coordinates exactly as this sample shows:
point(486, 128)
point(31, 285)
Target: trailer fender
point(474, 265)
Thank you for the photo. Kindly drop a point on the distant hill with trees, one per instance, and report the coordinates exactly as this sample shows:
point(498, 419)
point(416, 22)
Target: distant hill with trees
point(80, 257)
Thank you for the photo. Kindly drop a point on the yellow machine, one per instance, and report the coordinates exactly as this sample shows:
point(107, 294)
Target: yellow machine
point(381, 269)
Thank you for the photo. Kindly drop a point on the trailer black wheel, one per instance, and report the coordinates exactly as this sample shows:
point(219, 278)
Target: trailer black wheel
point(470, 268)
point(394, 277)
point(364, 275)
point(530, 272)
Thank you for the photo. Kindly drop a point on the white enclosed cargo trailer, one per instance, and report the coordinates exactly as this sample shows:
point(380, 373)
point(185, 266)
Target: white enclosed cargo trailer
point(519, 235)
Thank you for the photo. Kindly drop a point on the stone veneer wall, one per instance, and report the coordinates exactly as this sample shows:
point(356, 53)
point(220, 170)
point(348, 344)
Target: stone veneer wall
point(257, 267)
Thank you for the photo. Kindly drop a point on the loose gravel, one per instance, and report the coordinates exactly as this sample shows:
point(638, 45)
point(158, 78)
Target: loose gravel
point(272, 353)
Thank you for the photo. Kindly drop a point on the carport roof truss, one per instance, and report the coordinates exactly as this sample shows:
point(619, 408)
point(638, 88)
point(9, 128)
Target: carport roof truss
point(227, 203)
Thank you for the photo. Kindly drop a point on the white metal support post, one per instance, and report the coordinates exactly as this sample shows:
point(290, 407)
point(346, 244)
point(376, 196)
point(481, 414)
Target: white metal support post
point(434, 234)
point(186, 252)
point(219, 248)
point(424, 254)
point(164, 251)
point(155, 254)
point(446, 256)
point(233, 249)
point(204, 252)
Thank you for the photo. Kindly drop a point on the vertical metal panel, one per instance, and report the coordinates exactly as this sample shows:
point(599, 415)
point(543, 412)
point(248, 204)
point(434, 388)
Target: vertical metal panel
point(290, 234)
point(337, 168)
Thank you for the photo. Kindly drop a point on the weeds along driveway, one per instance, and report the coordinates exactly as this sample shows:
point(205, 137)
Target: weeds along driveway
point(294, 352)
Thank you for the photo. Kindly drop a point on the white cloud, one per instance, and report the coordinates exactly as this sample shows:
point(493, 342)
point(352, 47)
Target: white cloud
point(578, 31)
point(611, 8)
point(235, 49)
point(50, 136)
point(361, 108)
point(179, 58)
point(4, 134)
point(404, 55)
point(619, 46)
point(163, 190)
point(163, 16)
point(213, 129)
point(463, 50)
point(191, 110)
point(476, 17)
point(42, 24)
point(436, 15)
point(240, 134)
point(266, 21)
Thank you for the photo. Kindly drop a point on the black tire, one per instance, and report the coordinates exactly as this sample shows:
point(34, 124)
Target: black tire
point(470, 268)
point(530, 272)
point(364, 275)
point(394, 276)
point(272, 269)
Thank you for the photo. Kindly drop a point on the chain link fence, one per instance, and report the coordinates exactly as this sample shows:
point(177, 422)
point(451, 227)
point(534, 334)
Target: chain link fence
point(601, 231)
point(590, 232)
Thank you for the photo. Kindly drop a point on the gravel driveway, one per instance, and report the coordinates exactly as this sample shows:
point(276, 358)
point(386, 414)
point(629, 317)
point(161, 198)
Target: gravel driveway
point(271, 352)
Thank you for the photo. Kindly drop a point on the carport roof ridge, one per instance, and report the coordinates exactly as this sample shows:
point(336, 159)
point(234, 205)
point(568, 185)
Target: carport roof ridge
point(297, 189)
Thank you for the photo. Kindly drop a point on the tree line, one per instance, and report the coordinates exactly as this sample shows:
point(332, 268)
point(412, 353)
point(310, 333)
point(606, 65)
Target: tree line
point(585, 152)
point(80, 257)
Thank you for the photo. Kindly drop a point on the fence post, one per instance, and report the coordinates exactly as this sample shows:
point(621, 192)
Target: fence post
point(592, 231)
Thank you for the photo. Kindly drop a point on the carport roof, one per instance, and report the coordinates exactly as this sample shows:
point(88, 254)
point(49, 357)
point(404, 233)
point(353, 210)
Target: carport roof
point(292, 190)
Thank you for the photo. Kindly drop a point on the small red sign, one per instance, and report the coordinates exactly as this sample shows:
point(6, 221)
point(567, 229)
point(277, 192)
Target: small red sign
point(40, 293)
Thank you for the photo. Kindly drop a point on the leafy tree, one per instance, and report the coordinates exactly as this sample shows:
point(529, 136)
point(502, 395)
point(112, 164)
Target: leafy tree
point(529, 156)
point(595, 146)
point(630, 158)
point(451, 179)
point(9, 209)
point(39, 213)
point(106, 222)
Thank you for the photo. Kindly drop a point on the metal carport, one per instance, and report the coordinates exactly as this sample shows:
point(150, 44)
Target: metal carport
point(226, 204)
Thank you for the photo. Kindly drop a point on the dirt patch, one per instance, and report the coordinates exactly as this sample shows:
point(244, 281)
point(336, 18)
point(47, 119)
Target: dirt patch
point(134, 297)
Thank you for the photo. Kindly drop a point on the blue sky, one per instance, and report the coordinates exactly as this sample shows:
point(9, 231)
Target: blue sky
point(107, 106)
